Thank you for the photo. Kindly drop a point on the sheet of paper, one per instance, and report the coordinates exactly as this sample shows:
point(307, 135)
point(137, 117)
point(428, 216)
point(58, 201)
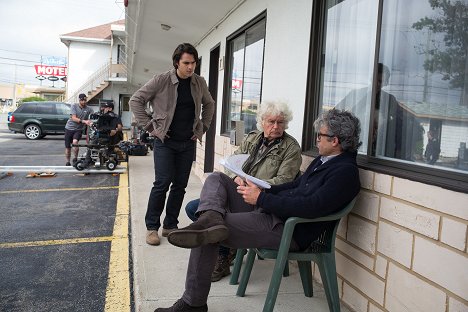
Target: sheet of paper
point(234, 163)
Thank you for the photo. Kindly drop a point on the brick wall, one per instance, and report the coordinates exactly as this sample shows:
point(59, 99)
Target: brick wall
point(402, 248)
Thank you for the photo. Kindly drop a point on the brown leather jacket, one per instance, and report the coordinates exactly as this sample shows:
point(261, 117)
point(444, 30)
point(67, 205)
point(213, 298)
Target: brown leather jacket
point(161, 91)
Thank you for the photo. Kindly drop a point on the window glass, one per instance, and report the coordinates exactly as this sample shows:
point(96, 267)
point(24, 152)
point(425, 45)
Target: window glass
point(421, 108)
point(346, 75)
point(62, 109)
point(245, 76)
point(45, 108)
point(27, 109)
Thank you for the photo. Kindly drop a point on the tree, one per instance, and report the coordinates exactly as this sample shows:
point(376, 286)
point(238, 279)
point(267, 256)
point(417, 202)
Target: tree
point(449, 57)
point(32, 99)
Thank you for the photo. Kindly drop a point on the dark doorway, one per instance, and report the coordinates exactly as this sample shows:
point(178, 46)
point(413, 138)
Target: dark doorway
point(197, 71)
point(213, 87)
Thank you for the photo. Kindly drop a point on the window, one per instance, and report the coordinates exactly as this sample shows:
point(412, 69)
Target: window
point(26, 109)
point(45, 108)
point(244, 70)
point(62, 109)
point(346, 77)
point(401, 68)
point(422, 109)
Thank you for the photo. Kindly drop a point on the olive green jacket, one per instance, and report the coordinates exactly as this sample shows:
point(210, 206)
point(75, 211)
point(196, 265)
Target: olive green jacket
point(279, 165)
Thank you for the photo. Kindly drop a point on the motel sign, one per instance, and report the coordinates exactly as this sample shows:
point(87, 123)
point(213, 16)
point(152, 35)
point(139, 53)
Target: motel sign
point(45, 70)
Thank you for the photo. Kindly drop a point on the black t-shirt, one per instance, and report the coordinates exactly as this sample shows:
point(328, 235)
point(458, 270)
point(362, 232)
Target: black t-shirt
point(181, 128)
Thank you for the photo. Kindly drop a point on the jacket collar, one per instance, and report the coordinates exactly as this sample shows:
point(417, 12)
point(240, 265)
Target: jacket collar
point(174, 80)
point(343, 157)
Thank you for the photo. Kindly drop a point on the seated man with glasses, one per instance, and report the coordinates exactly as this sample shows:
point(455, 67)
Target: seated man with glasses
point(244, 216)
point(274, 156)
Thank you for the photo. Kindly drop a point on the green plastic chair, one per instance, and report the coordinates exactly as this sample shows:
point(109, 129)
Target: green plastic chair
point(321, 251)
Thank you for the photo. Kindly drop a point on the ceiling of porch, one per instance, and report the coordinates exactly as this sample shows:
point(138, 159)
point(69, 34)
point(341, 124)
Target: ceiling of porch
point(150, 47)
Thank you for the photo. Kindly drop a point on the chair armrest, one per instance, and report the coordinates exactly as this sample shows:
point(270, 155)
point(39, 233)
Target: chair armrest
point(292, 221)
point(335, 216)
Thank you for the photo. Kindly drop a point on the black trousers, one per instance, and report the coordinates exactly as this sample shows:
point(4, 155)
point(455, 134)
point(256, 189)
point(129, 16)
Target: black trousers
point(172, 165)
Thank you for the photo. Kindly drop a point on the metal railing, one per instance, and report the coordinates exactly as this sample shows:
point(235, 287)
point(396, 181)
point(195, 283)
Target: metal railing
point(101, 75)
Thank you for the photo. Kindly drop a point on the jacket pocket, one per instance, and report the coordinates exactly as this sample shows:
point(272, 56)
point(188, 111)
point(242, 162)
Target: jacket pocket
point(159, 122)
point(275, 160)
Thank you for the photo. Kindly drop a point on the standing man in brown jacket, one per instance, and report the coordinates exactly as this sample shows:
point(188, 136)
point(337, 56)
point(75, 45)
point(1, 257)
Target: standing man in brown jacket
point(178, 98)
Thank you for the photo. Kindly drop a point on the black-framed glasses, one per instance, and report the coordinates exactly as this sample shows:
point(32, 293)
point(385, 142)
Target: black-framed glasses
point(320, 135)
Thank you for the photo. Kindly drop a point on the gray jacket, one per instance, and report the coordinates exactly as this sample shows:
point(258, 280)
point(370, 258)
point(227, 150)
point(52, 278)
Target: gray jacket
point(161, 91)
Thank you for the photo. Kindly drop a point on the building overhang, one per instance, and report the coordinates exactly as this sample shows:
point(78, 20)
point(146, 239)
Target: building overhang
point(155, 28)
point(69, 39)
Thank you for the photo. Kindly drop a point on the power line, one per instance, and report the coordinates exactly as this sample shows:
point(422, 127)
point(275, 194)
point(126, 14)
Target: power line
point(21, 52)
point(14, 64)
point(13, 59)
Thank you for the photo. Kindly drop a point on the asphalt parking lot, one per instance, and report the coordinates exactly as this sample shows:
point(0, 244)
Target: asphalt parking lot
point(63, 239)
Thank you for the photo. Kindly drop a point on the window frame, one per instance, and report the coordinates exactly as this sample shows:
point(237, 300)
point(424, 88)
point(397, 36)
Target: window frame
point(433, 176)
point(228, 69)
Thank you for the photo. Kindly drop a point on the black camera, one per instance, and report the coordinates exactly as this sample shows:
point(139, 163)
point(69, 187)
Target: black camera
point(146, 138)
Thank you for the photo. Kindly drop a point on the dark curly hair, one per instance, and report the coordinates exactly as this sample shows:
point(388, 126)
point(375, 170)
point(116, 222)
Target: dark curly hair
point(342, 124)
point(181, 49)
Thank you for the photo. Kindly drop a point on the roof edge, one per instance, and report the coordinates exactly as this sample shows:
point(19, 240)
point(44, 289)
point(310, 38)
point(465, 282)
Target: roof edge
point(64, 39)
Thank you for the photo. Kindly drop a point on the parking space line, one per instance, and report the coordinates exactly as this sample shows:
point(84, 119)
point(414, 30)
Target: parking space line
point(65, 189)
point(118, 283)
point(58, 242)
point(28, 156)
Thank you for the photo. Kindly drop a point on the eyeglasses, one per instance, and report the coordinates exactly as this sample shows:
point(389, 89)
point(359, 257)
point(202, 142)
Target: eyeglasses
point(320, 135)
point(271, 123)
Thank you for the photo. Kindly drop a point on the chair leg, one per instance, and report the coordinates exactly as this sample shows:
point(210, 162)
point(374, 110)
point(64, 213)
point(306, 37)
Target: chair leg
point(246, 273)
point(237, 266)
point(280, 264)
point(305, 270)
point(286, 269)
point(327, 267)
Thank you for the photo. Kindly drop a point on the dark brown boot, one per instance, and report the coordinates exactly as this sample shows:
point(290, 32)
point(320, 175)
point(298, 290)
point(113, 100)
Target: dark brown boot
point(208, 229)
point(181, 306)
point(221, 269)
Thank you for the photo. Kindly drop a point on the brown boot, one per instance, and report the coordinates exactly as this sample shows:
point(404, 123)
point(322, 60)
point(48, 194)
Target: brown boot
point(232, 256)
point(208, 229)
point(221, 269)
point(152, 237)
point(181, 306)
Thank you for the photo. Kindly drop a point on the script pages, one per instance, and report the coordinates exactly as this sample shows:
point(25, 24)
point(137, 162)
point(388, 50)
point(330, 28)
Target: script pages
point(234, 163)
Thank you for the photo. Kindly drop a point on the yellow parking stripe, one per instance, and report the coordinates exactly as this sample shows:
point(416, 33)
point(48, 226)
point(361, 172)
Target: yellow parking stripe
point(65, 189)
point(58, 242)
point(118, 283)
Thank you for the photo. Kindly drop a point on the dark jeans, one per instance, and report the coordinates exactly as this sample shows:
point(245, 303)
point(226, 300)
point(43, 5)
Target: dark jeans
point(172, 165)
point(191, 209)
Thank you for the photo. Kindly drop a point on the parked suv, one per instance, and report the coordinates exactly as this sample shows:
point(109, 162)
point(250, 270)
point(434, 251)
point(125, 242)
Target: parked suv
point(36, 119)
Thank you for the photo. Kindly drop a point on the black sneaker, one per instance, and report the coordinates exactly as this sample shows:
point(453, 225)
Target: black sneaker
point(74, 161)
point(181, 306)
point(68, 164)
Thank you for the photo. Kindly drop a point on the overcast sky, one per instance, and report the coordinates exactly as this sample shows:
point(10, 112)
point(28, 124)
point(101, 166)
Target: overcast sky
point(31, 29)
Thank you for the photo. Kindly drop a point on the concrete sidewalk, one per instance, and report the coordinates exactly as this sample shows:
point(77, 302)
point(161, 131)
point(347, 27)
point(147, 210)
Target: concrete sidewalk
point(159, 271)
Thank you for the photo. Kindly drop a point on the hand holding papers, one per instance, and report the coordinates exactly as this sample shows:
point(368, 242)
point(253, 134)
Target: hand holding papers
point(234, 163)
